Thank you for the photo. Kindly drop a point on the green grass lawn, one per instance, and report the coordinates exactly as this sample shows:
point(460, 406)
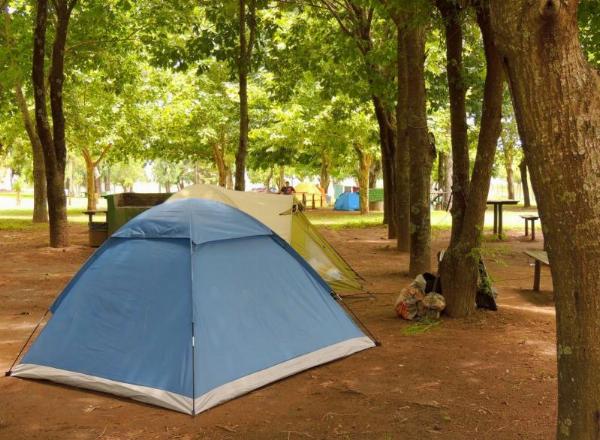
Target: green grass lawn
point(440, 220)
point(15, 218)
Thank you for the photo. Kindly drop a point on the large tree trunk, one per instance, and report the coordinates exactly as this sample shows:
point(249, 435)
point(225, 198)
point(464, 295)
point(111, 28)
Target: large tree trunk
point(421, 154)
point(53, 143)
point(451, 13)
point(459, 267)
point(364, 166)
point(402, 159)
point(245, 56)
point(40, 204)
point(556, 95)
point(525, 184)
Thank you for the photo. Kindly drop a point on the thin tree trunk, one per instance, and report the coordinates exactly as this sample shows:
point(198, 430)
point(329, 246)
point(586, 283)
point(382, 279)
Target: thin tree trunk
point(459, 267)
point(219, 157)
point(90, 186)
point(387, 145)
point(556, 95)
point(374, 173)
point(364, 166)
point(421, 154)
point(525, 183)
point(40, 204)
point(324, 178)
point(281, 179)
point(510, 184)
point(267, 182)
point(451, 13)
point(402, 159)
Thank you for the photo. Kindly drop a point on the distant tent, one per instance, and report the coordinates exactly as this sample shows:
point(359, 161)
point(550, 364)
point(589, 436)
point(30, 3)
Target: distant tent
point(190, 304)
point(309, 190)
point(347, 201)
point(278, 212)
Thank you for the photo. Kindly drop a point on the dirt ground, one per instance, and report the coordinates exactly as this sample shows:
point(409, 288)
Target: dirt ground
point(489, 377)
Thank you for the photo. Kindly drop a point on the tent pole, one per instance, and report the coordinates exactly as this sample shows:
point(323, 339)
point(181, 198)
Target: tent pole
point(9, 372)
point(356, 319)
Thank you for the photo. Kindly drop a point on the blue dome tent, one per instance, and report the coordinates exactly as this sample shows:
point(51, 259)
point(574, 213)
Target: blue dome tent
point(188, 305)
point(347, 201)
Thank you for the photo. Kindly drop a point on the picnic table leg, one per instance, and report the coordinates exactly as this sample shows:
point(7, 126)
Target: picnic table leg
point(536, 276)
point(532, 230)
point(526, 227)
point(495, 219)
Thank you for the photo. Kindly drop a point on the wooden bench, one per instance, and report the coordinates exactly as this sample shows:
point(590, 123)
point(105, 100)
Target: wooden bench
point(532, 219)
point(540, 257)
point(93, 212)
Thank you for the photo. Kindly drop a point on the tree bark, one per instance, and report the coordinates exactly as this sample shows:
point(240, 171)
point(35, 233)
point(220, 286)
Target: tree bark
point(324, 178)
point(387, 145)
point(222, 169)
point(510, 184)
point(244, 59)
point(402, 159)
point(451, 13)
point(525, 184)
point(421, 153)
point(90, 181)
point(459, 267)
point(364, 166)
point(40, 204)
point(374, 173)
point(556, 95)
point(53, 142)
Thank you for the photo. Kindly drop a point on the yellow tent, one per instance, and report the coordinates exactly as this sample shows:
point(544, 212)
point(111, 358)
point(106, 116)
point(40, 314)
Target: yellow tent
point(279, 213)
point(310, 195)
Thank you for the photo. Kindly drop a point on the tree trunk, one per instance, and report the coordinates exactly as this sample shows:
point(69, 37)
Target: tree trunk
point(90, 180)
point(40, 204)
point(525, 184)
point(402, 159)
point(281, 178)
point(219, 157)
point(324, 179)
point(267, 182)
point(556, 95)
point(421, 154)
point(374, 173)
point(451, 13)
point(387, 144)
point(510, 181)
point(245, 56)
point(364, 166)
point(459, 267)
point(53, 143)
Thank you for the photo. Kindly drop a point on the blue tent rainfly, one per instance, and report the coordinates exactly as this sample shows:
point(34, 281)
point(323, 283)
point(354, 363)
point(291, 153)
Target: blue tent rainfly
point(347, 201)
point(190, 304)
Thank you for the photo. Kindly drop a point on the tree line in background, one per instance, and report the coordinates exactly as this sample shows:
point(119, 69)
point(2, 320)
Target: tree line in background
point(213, 90)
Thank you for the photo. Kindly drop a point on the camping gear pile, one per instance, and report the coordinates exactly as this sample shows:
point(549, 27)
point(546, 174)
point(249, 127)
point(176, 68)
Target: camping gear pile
point(420, 300)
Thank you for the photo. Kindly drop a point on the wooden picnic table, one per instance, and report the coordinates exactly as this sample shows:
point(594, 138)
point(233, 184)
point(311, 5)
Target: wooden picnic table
point(498, 204)
point(540, 257)
point(91, 213)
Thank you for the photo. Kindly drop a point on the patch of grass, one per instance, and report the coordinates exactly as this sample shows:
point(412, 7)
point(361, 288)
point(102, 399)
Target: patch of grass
point(421, 327)
point(335, 220)
point(12, 224)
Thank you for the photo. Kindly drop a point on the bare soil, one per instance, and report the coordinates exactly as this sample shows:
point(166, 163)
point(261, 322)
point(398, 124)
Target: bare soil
point(492, 376)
